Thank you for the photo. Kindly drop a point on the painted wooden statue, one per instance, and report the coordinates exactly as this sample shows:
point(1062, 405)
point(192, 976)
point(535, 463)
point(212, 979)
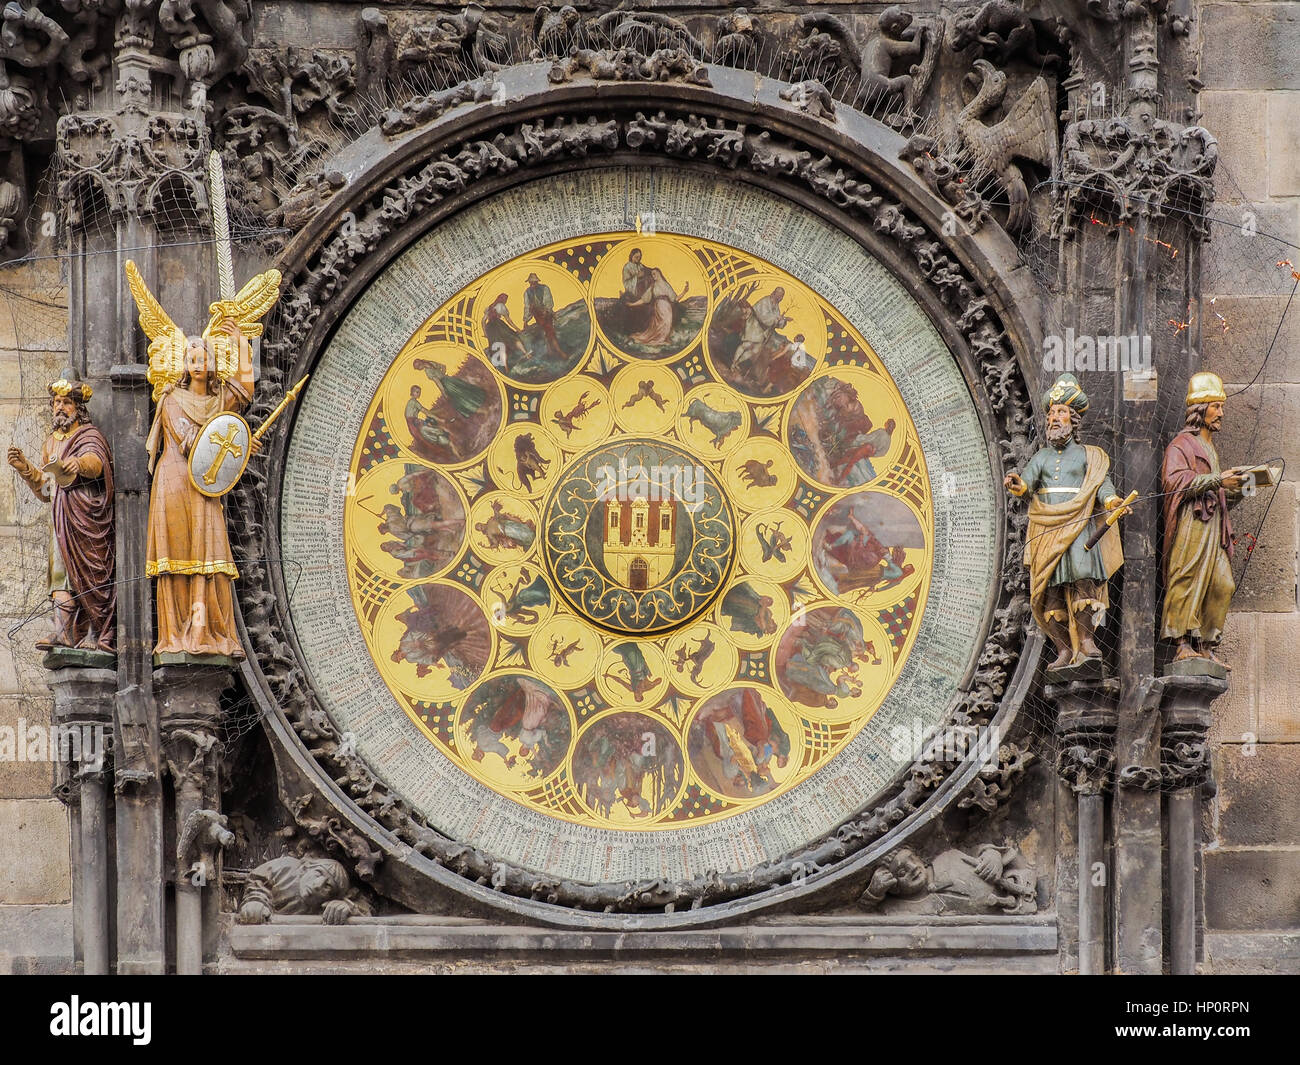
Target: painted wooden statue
point(1069, 566)
point(194, 380)
point(1198, 531)
point(75, 476)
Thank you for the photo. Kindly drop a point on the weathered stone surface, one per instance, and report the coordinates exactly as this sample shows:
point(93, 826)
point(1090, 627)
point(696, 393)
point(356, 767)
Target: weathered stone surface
point(1233, 117)
point(1259, 423)
point(20, 662)
point(1238, 245)
point(1284, 144)
point(20, 778)
point(25, 549)
point(1278, 709)
point(1237, 354)
point(33, 851)
point(1252, 889)
point(1260, 952)
point(1253, 809)
point(991, 944)
point(1268, 582)
point(1234, 711)
point(36, 939)
point(1251, 46)
point(35, 370)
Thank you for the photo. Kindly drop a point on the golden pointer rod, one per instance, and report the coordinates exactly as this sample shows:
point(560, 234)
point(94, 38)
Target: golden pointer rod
point(289, 397)
point(1111, 519)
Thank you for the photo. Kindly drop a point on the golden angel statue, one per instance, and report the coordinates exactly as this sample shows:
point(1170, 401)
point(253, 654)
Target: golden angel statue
point(197, 379)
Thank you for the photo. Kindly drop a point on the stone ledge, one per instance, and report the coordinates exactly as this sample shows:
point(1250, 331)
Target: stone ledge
point(990, 943)
point(1252, 952)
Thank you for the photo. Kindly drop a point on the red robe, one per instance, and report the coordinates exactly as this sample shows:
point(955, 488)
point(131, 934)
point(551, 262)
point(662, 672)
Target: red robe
point(83, 527)
point(1186, 459)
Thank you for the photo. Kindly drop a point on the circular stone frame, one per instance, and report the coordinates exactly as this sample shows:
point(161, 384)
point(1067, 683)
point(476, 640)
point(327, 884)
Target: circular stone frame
point(847, 171)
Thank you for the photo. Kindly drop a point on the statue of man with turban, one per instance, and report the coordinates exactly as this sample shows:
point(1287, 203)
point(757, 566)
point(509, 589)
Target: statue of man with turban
point(1068, 484)
point(1198, 532)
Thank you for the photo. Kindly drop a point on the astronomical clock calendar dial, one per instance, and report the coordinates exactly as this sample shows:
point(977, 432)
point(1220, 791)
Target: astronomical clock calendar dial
point(639, 537)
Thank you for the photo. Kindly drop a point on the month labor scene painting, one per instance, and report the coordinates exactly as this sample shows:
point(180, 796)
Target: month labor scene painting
point(642, 530)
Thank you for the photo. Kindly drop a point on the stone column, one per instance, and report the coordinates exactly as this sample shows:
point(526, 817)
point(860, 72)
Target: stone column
point(1086, 718)
point(1185, 766)
point(190, 701)
point(1120, 170)
point(83, 716)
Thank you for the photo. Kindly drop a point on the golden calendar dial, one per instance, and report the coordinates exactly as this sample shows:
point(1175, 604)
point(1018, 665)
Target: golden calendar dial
point(641, 533)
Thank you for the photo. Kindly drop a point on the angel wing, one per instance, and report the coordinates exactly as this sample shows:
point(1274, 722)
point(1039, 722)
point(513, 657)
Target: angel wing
point(166, 339)
point(250, 303)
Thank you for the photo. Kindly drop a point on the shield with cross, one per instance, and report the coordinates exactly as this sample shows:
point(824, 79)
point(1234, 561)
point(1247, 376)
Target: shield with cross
point(219, 454)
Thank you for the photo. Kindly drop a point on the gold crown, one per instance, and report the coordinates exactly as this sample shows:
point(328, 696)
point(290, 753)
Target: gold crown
point(1205, 388)
point(64, 387)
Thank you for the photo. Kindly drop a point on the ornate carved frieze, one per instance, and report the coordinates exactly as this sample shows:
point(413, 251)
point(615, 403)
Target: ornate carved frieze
point(1086, 759)
point(628, 64)
point(111, 167)
point(209, 38)
point(1184, 756)
point(993, 786)
point(270, 133)
point(1002, 31)
point(1134, 164)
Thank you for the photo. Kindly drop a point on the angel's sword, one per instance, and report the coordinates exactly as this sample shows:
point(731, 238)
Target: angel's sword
point(221, 226)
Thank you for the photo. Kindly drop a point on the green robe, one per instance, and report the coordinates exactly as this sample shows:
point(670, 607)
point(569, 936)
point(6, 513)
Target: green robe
point(1056, 476)
point(465, 397)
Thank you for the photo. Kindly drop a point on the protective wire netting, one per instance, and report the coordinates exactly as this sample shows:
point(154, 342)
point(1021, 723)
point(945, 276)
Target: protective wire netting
point(1241, 326)
point(35, 290)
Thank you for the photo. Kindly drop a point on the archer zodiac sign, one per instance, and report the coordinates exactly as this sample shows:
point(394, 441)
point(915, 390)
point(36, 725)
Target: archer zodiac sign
point(568, 422)
point(696, 658)
point(773, 541)
point(646, 390)
point(521, 602)
point(559, 655)
point(639, 679)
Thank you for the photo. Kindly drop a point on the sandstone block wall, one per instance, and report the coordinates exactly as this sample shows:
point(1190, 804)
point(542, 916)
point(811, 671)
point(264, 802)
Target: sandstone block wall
point(1251, 69)
point(35, 887)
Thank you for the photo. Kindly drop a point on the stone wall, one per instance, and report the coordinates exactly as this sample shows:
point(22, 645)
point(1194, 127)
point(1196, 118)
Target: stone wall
point(35, 891)
point(1251, 69)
